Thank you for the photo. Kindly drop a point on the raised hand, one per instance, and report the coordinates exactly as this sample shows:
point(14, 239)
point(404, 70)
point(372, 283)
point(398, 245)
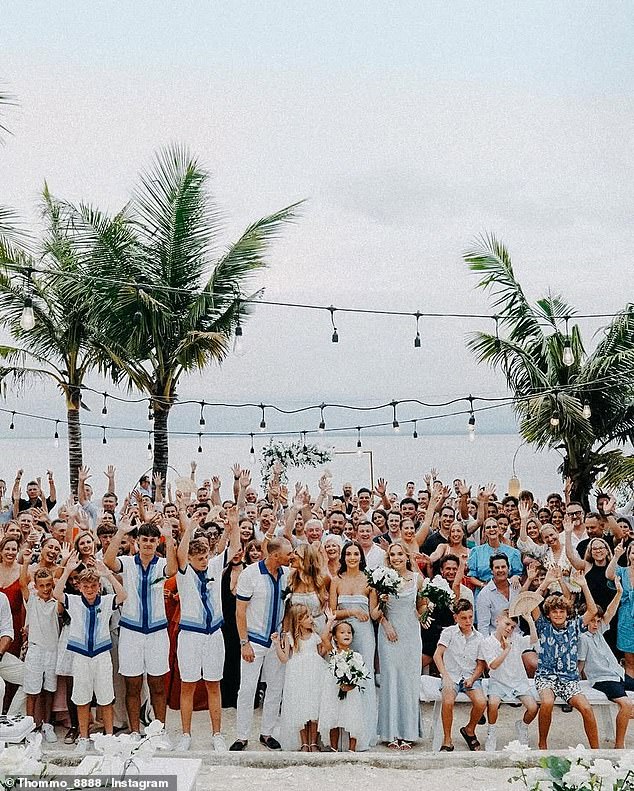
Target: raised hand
point(83, 473)
point(381, 487)
point(216, 482)
point(65, 552)
point(463, 489)
point(101, 568)
point(245, 479)
point(236, 470)
point(193, 466)
point(568, 524)
point(487, 492)
point(73, 561)
point(158, 481)
point(125, 525)
point(524, 511)
point(619, 549)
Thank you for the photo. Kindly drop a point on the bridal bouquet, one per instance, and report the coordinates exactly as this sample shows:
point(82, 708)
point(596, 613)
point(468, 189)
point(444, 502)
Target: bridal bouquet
point(349, 671)
point(438, 594)
point(385, 581)
point(578, 772)
point(18, 761)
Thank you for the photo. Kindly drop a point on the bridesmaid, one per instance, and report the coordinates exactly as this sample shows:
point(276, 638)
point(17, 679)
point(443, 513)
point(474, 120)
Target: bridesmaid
point(352, 599)
point(10, 586)
point(309, 583)
point(400, 651)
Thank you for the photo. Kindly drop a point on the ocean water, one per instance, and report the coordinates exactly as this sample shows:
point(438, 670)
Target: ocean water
point(397, 458)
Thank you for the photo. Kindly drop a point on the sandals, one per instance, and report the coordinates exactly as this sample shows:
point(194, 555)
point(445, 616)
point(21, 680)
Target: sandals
point(446, 748)
point(304, 748)
point(405, 746)
point(472, 742)
point(316, 748)
point(394, 745)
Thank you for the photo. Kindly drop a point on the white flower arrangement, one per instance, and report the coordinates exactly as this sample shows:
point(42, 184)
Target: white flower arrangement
point(578, 772)
point(118, 752)
point(349, 671)
point(21, 760)
point(385, 581)
point(293, 454)
point(438, 594)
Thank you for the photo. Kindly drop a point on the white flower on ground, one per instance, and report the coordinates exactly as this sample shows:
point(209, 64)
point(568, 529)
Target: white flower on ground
point(576, 777)
point(154, 728)
point(517, 749)
point(579, 753)
point(603, 768)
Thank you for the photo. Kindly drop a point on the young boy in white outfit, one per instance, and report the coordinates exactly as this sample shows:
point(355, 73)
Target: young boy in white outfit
point(90, 642)
point(459, 662)
point(201, 650)
point(143, 638)
point(40, 679)
point(508, 681)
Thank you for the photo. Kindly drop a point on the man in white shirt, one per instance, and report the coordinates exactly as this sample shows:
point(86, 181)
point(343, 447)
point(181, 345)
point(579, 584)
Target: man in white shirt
point(259, 613)
point(374, 555)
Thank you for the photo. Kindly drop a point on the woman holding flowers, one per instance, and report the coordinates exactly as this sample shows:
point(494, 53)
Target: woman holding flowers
point(352, 599)
point(400, 652)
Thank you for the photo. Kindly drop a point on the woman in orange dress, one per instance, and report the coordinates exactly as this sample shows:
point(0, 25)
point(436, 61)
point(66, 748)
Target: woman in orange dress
point(10, 586)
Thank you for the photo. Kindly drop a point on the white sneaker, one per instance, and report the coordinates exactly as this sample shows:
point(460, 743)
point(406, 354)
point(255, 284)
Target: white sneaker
point(220, 746)
point(48, 733)
point(135, 736)
point(521, 731)
point(491, 743)
point(82, 746)
point(184, 743)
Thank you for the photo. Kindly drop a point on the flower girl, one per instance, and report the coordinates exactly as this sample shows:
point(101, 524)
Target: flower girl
point(302, 649)
point(341, 704)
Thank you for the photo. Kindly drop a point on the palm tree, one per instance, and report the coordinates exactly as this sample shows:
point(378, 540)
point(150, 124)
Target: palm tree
point(59, 344)
point(584, 409)
point(163, 305)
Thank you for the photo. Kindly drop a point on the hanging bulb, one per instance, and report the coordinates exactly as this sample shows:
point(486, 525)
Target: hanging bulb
point(335, 334)
point(12, 426)
point(395, 426)
point(322, 422)
point(304, 446)
point(252, 449)
point(104, 410)
point(359, 448)
point(104, 441)
point(471, 427)
point(263, 421)
point(202, 413)
point(56, 435)
point(472, 436)
point(200, 443)
point(417, 343)
point(586, 412)
point(554, 419)
point(150, 413)
point(415, 432)
point(568, 356)
point(238, 343)
point(149, 446)
point(27, 319)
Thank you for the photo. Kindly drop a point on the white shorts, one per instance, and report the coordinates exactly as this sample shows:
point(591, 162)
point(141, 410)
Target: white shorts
point(200, 656)
point(143, 653)
point(39, 670)
point(92, 675)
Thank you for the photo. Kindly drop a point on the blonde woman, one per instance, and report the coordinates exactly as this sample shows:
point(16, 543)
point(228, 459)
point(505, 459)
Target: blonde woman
point(309, 582)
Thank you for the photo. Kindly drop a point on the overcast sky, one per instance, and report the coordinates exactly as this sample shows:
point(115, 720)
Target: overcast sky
point(409, 127)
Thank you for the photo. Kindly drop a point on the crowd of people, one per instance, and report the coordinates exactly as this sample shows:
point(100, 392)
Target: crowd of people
point(318, 607)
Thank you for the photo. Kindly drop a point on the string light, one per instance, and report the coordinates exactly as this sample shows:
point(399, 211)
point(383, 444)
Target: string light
point(395, 424)
point(56, 435)
point(586, 411)
point(359, 451)
point(554, 418)
point(104, 441)
point(335, 334)
point(238, 344)
point(149, 446)
point(27, 319)
point(200, 443)
point(417, 338)
point(415, 432)
point(471, 424)
point(252, 449)
point(150, 413)
point(304, 446)
point(202, 413)
point(104, 408)
point(498, 343)
point(568, 356)
point(12, 426)
point(263, 421)
point(322, 422)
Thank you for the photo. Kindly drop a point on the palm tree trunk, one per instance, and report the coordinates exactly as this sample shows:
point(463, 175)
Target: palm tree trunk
point(75, 455)
point(161, 441)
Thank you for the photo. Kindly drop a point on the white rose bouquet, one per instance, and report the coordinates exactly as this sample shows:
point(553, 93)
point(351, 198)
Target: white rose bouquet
point(438, 594)
point(349, 671)
point(385, 581)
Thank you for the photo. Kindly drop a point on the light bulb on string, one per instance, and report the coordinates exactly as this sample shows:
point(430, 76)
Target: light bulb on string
point(56, 435)
point(417, 343)
point(415, 432)
point(359, 446)
point(104, 409)
point(471, 425)
point(202, 413)
point(200, 443)
point(12, 424)
point(263, 421)
point(395, 424)
point(104, 440)
point(568, 356)
point(238, 343)
point(150, 412)
point(304, 446)
point(27, 319)
point(335, 334)
point(149, 446)
point(498, 344)
point(252, 450)
point(586, 411)
point(322, 422)
point(554, 418)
